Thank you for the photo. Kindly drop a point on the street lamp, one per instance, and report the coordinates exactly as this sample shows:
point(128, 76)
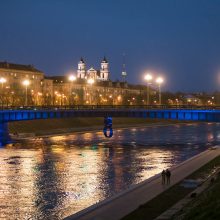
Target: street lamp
point(2, 81)
point(148, 77)
point(159, 81)
point(26, 83)
point(72, 78)
point(90, 82)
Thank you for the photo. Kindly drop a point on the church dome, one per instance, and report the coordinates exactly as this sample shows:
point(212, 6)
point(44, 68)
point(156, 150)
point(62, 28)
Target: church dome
point(81, 60)
point(104, 60)
point(91, 69)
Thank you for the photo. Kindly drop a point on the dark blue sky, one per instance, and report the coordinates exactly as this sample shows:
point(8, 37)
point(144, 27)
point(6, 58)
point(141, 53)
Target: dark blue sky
point(179, 39)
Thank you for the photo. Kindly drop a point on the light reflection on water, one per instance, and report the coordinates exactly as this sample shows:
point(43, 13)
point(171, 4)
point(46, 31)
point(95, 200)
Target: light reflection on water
point(50, 178)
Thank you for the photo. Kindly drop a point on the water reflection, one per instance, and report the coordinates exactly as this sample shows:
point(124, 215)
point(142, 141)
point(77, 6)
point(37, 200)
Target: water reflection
point(50, 178)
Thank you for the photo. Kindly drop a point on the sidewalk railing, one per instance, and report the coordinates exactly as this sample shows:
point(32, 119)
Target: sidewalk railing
point(93, 107)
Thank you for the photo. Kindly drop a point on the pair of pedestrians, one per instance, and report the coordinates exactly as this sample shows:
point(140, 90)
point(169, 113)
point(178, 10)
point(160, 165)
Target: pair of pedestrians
point(166, 174)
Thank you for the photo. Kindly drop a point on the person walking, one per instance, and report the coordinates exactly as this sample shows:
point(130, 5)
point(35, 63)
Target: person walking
point(163, 175)
point(168, 175)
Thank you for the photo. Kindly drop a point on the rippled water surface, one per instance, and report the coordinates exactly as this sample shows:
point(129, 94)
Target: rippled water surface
point(51, 178)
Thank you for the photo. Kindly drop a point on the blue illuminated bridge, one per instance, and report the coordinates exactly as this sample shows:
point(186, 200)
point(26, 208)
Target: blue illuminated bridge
point(199, 113)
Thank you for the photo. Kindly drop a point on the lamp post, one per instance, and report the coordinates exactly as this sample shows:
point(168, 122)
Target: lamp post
point(159, 81)
point(2, 81)
point(72, 78)
point(148, 77)
point(90, 82)
point(26, 83)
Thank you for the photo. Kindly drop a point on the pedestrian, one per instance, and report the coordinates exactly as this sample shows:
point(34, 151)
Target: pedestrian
point(163, 175)
point(168, 175)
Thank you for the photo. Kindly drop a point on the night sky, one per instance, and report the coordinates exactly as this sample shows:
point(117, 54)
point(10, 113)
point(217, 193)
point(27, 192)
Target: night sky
point(178, 39)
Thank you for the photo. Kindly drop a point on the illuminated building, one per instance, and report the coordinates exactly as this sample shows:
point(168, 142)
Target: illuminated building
point(65, 90)
point(99, 75)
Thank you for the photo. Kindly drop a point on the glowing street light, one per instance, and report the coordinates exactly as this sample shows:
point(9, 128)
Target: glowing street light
point(2, 81)
point(148, 77)
point(90, 81)
point(72, 78)
point(26, 83)
point(119, 98)
point(159, 81)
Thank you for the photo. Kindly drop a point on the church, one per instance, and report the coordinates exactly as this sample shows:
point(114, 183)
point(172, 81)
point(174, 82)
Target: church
point(99, 75)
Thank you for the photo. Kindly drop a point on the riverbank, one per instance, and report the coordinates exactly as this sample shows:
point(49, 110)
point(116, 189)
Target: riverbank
point(61, 126)
point(205, 205)
point(169, 204)
point(138, 196)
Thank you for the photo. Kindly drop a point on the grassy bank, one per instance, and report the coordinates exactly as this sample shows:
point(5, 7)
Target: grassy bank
point(167, 199)
point(48, 126)
point(205, 206)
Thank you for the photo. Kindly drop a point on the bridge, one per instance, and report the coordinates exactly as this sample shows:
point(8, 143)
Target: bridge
point(184, 112)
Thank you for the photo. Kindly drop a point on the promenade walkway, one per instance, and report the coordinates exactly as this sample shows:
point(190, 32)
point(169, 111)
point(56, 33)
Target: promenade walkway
point(127, 201)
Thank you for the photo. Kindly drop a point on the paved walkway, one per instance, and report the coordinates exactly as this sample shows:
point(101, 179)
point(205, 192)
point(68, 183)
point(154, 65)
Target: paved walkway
point(179, 206)
point(127, 201)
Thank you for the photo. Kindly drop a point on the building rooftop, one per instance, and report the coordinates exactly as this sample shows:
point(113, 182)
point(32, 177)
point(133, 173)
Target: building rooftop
point(6, 65)
point(109, 83)
point(58, 79)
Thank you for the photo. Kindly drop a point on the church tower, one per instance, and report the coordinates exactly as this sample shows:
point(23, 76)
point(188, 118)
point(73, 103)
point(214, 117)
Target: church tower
point(104, 72)
point(81, 72)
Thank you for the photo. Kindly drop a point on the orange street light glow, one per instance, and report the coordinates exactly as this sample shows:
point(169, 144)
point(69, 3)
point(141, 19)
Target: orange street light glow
point(148, 77)
point(90, 81)
point(159, 80)
point(72, 78)
point(26, 82)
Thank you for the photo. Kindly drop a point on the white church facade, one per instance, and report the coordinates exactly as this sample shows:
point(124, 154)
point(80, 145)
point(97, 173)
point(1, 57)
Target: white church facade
point(99, 75)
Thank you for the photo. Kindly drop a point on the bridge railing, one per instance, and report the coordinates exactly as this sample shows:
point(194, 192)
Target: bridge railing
point(93, 107)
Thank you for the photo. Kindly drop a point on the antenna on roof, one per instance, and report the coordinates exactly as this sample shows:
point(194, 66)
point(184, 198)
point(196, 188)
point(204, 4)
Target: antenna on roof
point(123, 73)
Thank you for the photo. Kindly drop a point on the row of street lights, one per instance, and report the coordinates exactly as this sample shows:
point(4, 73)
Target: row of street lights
point(90, 81)
point(73, 78)
point(159, 80)
point(148, 77)
point(26, 83)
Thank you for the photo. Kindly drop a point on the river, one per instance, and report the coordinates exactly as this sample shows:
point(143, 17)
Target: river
point(53, 177)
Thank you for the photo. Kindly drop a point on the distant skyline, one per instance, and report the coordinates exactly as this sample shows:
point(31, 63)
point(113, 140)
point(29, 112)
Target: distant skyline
point(178, 40)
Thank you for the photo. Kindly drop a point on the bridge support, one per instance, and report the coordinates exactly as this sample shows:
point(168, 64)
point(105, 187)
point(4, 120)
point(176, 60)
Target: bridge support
point(4, 134)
